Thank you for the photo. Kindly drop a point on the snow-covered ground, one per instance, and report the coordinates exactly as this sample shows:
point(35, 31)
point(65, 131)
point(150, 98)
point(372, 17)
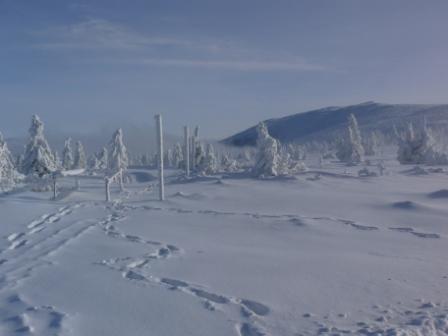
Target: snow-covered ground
point(333, 255)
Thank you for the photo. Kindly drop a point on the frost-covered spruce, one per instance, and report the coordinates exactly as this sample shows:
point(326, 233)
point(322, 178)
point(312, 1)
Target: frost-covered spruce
point(103, 158)
point(8, 173)
point(118, 153)
point(57, 160)
point(227, 164)
point(67, 155)
point(370, 144)
point(267, 156)
point(80, 156)
point(38, 158)
point(419, 148)
point(350, 148)
point(208, 164)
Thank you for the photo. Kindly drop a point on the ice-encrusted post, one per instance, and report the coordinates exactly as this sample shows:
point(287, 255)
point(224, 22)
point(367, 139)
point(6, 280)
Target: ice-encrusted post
point(120, 180)
point(187, 151)
point(158, 118)
point(107, 181)
point(55, 187)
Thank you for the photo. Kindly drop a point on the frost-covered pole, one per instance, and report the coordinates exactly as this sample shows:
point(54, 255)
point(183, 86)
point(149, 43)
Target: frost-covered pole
point(187, 151)
point(160, 155)
point(55, 186)
point(120, 179)
point(107, 181)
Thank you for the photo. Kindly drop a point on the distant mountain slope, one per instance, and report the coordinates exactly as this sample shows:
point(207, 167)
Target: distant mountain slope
point(327, 122)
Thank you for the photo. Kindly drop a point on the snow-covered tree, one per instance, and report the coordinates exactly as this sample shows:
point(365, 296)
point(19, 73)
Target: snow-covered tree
point(8, 173)
point(267, 157)
point(227, 164)
point(370, 144)
point(178, 156)
point(67, 155)
point(103, 158)
point(57, 159)
point(79, 161)
point(118, 153)
point(208, 164)
point(350, 148)
point(419, 148)
point(38, 158)
point(168, 158)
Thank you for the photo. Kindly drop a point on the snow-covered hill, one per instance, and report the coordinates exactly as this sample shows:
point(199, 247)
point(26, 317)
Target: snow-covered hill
point(327, 122)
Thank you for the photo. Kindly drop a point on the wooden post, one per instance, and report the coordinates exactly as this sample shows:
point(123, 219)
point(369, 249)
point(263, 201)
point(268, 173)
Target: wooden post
point(120, 180)
point(107, 181)
point(55, 191)
point(186, 151)
point(160, 155)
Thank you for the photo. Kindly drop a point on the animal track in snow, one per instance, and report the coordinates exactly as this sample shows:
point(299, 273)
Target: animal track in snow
point(20, 318)
point(415, 233)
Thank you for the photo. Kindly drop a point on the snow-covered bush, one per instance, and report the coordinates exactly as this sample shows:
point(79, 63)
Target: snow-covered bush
point(418, 147)
point(118, 152)
point(67, 155)
point(38, 157)
point(80, 156)
point(228, 165)
point(208, 164)
point(350, 148)
point(8, 172)
point(267, 157)
point(365, 172)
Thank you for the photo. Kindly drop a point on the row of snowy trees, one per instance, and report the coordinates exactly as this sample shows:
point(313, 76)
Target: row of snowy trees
point(38, 160)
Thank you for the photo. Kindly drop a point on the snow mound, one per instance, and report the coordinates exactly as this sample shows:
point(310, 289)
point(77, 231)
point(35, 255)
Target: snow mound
point(406, 205)
point(442, 193)
point(194, 196)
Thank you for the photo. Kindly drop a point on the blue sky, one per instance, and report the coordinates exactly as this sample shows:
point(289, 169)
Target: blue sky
point(224, 65)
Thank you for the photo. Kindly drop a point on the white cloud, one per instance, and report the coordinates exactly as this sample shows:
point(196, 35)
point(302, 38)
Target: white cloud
point(136, 48)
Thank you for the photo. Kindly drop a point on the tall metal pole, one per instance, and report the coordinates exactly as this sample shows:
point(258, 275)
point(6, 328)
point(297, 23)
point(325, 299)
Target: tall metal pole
point(187, 151)
point(160, 155)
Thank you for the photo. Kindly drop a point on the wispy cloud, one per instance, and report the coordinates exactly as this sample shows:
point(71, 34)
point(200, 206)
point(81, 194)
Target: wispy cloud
point(141, 49)
point(244, 65)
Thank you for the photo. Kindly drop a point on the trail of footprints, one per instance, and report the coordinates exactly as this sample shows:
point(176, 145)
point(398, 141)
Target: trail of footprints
point(135, 269)
point(20, 318)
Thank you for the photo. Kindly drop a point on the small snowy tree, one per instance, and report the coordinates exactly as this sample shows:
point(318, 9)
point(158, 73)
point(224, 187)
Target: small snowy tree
point(38, 158)
point(370, 144)
point(118, 152)
point(103, 158)
point(79, 161)
point(208, 164)
point(267, 157)
point(168, 158)
point(178, 156)
point(8, 173)
point(227, 164)
point(419, 148)
point(67, 155)
point(350, 148)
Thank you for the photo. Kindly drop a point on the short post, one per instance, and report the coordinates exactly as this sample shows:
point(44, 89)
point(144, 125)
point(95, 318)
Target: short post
point(187, 151)
point(55, 191)
point(107, 181)
point(120, 180)
point(77, 184)
point(158, 118)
